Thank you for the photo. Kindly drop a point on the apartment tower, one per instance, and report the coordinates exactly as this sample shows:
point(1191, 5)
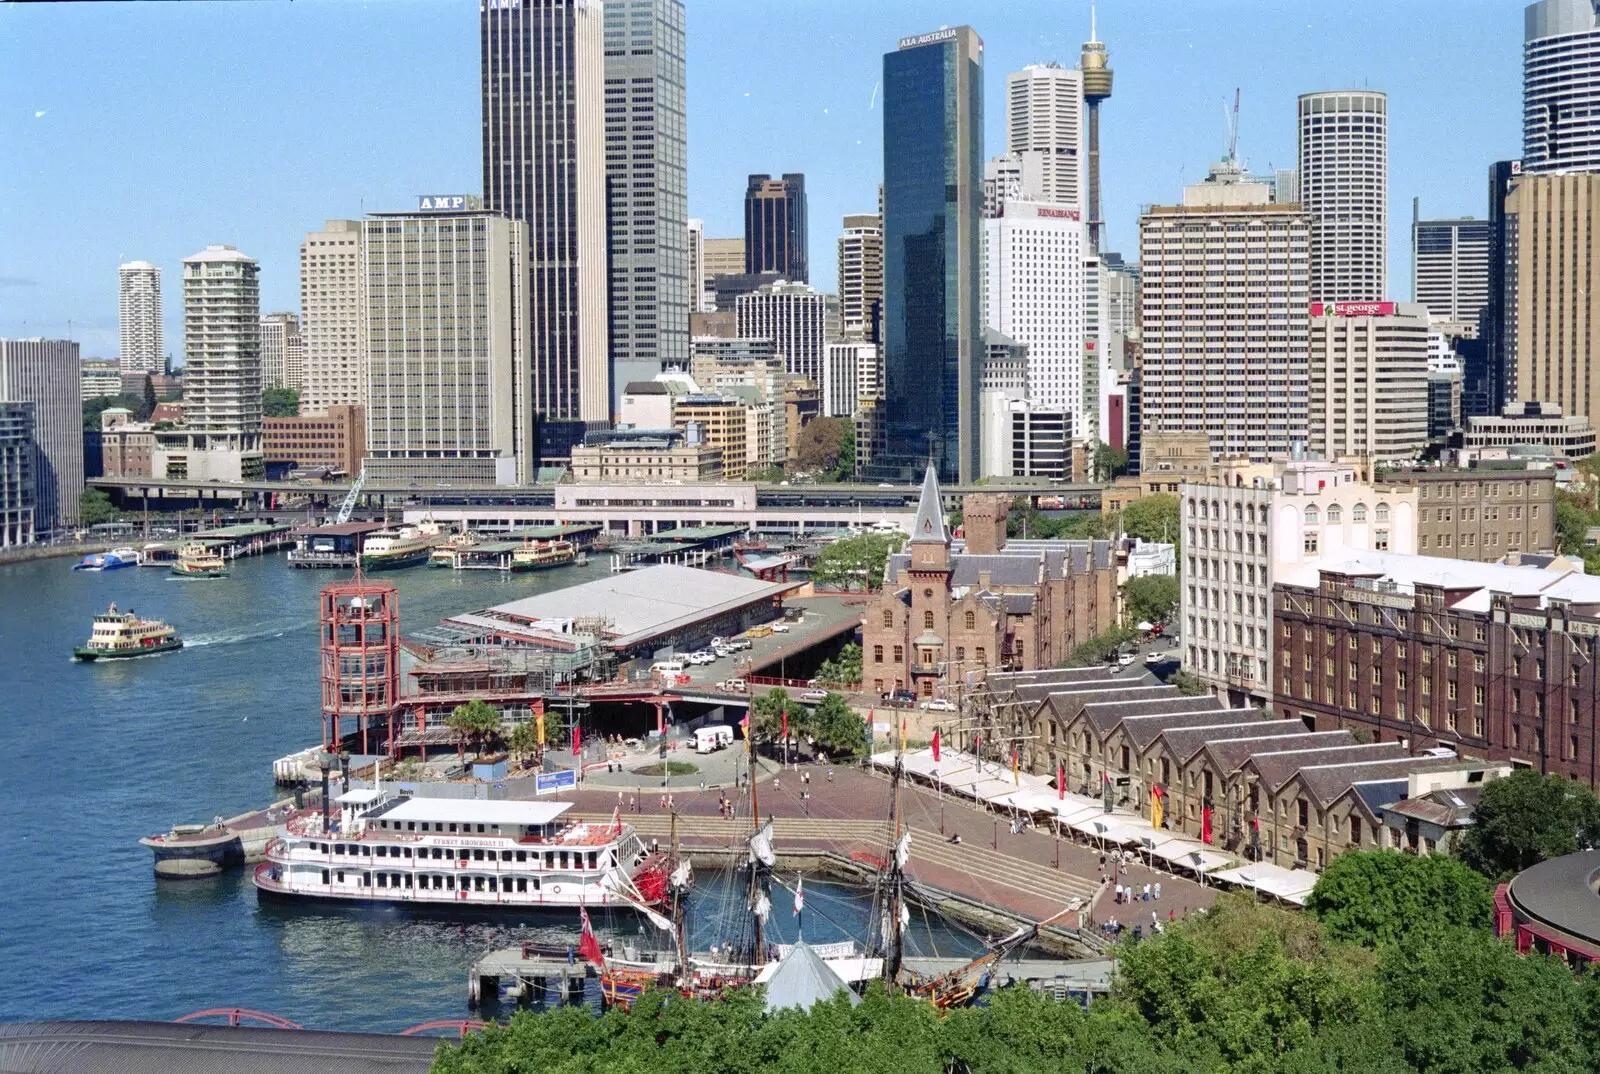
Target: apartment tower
point(333, 325)
point(139, 318)
point(861, 277)
point(932, 204)
point(222, 365)
point(282, 356)
point(544, 165)
point(1561, 86)
point(1344, 185)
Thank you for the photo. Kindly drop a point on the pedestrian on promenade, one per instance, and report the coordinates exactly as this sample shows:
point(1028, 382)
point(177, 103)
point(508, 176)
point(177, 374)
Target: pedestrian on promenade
point(1158, 891)
point(1147, 893)
point(1117, 898)
point(633, 803)
point(830, 774)
point(671, 805)
point(774, 783)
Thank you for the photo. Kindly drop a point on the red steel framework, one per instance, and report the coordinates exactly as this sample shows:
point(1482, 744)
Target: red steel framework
point(239, 1015)
point(360, 657)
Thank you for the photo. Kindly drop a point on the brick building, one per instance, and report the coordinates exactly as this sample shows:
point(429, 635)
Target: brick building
point(1482, 514)
point(949, 607)
point(336, 441)
point(126, 446)
point(1488, 660)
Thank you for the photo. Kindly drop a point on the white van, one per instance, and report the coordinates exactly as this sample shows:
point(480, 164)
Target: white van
point(713, 738)
point(667, 668)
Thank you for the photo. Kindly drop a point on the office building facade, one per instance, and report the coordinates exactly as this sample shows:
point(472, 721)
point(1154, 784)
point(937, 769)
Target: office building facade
point(647, 191)
point(1368, 376)
point(1034, 293)
point(1044, 131)
point(18, 489)
point(697, 266)
point(335, 441)
point(44, 373)
point(723, 257)
point(1529, 423)
point(861, 277)
point(795, 318)
point(775, 227)
point(139, 318)
point(933, 201)
point(544, 164)
point(852, 371)
point(1482, 514)
point(1561, 87)
point(1344, 185)
point(1450, 268)
point(282, 351)
point(448, 393)
point(333, 325)
point(1228, 361)
point(1488, 374)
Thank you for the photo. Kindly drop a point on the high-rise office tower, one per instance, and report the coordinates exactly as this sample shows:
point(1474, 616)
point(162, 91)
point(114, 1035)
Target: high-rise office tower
point(221, 364)
point(1034, 278)
point(139, 317)
point(44, 372)
point(1344, 185)
point(1369, 380)
point(544, 164)
point(1286, 185)
point(1489, 369)
point(1552, 300)
point(775, 227)
point(697, 265)
point(19, 490)
point(1044, 120)
point(447, 303)
point(723, 257)
point(1561, 86)
point(647, 188)
point(1450, 267)
point(932, 205)
point(795, 318)
point(1241, 381)
point(281, 352)
point(861, 276)
point(1094, 66)
point(333, 326)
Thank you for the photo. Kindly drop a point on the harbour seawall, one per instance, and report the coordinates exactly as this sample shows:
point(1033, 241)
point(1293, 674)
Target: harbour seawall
point(28, 552)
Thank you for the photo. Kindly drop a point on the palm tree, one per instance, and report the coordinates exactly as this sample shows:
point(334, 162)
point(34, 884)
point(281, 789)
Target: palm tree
point(476, 721)
point(524, 740)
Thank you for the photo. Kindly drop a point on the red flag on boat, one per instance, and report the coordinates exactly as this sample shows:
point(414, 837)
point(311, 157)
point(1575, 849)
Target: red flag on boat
point(935, 745)
point(588, 946)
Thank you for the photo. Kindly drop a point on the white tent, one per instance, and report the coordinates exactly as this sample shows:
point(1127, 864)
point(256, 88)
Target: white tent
point(802, 978)
point(1290, 885)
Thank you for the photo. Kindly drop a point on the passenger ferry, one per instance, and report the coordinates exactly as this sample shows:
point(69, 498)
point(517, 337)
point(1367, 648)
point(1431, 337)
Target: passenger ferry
point(408, 546)
point(541, 556)
point(452, 854)
point(199, 561)
point(445, 554)
point(115, 559)
point(118, 635)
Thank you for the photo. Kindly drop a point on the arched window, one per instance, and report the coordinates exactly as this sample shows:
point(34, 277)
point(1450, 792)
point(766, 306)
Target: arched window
point(972, 621)
point(1358, 513)
point(1311, 514)
point(1250, 513)
point(1382, 513)
point(1191, 506)
point(877, 654)
point(927, 620)
point(1334, 513)
point(1238, 512)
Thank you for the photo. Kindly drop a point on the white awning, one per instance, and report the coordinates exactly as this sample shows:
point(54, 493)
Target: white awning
point(1290, 885)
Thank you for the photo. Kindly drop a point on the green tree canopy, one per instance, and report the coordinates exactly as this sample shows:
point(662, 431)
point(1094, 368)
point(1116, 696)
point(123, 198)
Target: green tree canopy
point(1374, 897)
point(1526, 818)
point(476, 720)
point(844, 670)
point(820, 443)
point(837, 727)
point(846, 470)
point(855, 562)
point(1100, 648)
point(95, 405)
point(1152, 597)
point(280, 402)
point(1187, 683)
point(1109, 462)
point(1153, 518)
point(766, 714)
point(95, 507)
point(147, 399)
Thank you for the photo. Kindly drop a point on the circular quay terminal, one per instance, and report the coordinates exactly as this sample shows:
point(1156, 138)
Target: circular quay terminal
point(1553, 908)
point(924, 548)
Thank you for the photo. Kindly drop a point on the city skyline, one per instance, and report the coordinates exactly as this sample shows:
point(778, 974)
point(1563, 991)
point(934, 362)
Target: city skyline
point(1172, 78)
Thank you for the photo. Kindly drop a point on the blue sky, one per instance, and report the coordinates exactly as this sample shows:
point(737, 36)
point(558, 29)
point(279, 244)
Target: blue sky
point(148, 130)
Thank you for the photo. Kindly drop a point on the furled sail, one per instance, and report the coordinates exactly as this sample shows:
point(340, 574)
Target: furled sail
point(902, 851)
point(761, 846)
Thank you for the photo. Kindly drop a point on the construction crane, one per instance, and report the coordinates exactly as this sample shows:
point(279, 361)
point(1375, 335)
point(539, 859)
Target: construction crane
point(350, 498)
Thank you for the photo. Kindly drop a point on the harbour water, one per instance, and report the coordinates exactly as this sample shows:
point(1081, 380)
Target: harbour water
point(95, 756)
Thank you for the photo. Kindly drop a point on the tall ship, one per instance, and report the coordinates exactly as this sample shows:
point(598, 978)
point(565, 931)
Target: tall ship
point(405, 546)
point(450, 854)
point(543, 555)
point(199, 561)
point(118, 635)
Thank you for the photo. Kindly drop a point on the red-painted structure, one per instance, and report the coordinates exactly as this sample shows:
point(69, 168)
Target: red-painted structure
point(360, 626)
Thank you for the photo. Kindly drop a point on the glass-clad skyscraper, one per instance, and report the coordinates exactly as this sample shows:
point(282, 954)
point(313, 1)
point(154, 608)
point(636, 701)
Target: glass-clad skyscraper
point(932, 250)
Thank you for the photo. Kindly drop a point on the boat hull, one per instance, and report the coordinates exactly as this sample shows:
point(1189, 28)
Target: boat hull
point(186, 572)
point(443, 910)
point(384, 561)
point(523, 568)
point(87, 654)
point(108, 562)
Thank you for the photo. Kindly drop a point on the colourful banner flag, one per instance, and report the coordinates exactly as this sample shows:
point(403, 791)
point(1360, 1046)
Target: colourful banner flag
point(1157, 812)
point(1205, 825)
point(1016, 767)
point(1061, 782)
point(935, 745)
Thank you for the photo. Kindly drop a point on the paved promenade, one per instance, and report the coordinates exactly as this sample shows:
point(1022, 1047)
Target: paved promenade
point(848, 814)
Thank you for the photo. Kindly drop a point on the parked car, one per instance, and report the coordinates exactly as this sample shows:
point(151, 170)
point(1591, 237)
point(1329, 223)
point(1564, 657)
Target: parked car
point(732, 686)
point(900, 697)
point(702, 658)
point(739, 645)
point(721, 650)
point(813, 695)
point(938, 704)
point(1154, 656)
point(1124, 659)
point(780, 627)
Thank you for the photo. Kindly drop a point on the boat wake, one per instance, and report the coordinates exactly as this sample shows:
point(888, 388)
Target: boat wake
point(201, 641)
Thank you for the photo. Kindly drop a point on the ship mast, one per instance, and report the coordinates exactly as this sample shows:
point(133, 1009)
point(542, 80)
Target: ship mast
point(677, 905)
point(895, 894)
point(755, 827)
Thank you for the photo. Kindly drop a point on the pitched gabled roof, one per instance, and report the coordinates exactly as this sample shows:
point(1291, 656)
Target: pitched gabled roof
point(1326, 782)
point(1143, 730)
point(928, 528)
point(1067, 704)
point(1446, 808)
point(1111, 713)
point(1186, 741)
point(1274, 769)
point(1228, 755)
point(1037, 693)
point(1000, 679)
point(1375, 795)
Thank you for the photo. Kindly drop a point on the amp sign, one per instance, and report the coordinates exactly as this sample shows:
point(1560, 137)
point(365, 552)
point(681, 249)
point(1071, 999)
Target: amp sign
point(441, 203)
